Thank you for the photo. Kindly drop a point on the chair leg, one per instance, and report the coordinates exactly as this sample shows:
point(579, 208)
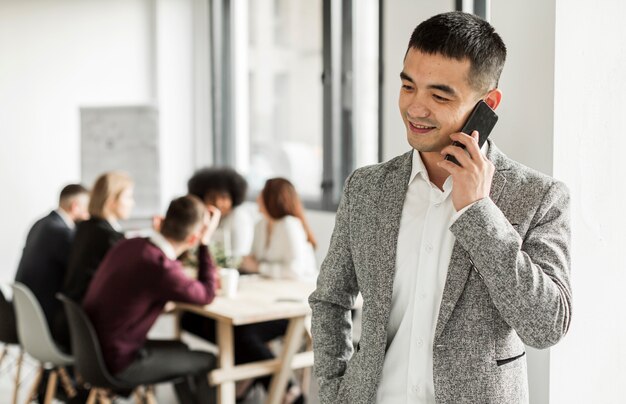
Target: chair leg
point(5, 349)
point(66, 382)
point(150, 398)
point(52, 387)
point(139, 395)
point(103, 397)
point(306, 372)
point(20, 360)
point(93, 394)
point(33, 390)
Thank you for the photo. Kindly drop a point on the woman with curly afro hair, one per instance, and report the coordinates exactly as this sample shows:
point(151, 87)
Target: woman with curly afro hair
point(226, 189)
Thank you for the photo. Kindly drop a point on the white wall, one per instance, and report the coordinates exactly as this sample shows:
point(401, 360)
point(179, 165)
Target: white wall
point(175, 79)
point(400, 19)
point(63, 54)
point(589, 366)
point(56, 57)
point(525, 128)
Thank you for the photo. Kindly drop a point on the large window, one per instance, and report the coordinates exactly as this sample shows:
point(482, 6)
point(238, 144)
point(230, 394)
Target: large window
point(285, 91)
point(479, 7)
point(296, 91)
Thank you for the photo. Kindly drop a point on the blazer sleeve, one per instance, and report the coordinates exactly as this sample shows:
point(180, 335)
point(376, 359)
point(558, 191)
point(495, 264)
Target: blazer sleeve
point(331, 302)
point(528, 279)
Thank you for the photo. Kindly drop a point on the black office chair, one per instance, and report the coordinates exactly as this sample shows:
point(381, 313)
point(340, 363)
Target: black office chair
point(8, 336)
point(88, 360)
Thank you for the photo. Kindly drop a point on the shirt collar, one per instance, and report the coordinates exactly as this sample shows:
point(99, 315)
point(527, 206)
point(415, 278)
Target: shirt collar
point(417, 167)
point(158, 240)
point(66, 218)
point(115, 224)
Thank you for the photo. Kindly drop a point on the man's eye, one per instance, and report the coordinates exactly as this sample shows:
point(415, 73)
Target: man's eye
point(407, 87)
point(440, 98)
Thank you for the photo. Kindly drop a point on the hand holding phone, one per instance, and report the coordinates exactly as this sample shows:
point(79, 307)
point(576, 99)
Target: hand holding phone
point(482, 119)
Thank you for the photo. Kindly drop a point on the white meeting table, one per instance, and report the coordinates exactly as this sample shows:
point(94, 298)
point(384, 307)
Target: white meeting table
point(257, 300)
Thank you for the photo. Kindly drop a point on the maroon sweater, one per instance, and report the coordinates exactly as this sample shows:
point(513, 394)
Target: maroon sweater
point(128, 293)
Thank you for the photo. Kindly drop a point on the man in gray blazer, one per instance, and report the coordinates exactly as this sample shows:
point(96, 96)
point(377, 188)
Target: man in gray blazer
point(458, 265)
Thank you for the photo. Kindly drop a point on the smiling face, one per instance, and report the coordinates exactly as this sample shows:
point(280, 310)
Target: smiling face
point(435, 99)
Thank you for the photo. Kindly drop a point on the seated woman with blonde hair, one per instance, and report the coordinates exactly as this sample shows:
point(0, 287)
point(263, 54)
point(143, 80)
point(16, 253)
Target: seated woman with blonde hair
point(283, 245)
point(111, 201)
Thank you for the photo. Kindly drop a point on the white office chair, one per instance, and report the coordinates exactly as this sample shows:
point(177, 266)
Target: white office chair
point(35, 338)
point(8, 336)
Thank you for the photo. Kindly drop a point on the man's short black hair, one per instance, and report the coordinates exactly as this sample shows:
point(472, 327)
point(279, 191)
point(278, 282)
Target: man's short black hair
point(70, 191)
point(218, 180)
point(182, 218)
point(460, 36)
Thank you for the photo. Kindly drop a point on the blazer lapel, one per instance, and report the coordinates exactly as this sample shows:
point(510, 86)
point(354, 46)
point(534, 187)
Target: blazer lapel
point(460, 263)
point(393, 188)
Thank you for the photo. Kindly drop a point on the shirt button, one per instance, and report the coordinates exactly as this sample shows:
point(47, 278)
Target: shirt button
point(417, 389)
point(429, 248)
point(420, 342)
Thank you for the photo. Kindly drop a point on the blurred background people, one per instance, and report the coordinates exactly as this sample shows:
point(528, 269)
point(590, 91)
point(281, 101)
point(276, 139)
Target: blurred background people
point(283, 245)
point(283, 248)
point(225, 189)
point(111, 201)
point(133, 284)
point(45, 255)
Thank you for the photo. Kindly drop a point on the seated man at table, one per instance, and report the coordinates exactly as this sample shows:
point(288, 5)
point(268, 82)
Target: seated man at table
point(133, 283)
point(47, 248)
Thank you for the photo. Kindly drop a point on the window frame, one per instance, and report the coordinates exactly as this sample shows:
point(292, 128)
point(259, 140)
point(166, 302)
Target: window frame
point(338, 138)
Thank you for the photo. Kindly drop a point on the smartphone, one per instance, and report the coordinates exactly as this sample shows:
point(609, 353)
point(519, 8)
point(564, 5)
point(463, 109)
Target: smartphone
point(482, 119)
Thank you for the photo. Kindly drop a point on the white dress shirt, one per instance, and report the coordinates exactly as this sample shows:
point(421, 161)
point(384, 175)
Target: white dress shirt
point(66, 218)
point(235, 232)
point(423, 254)
point(158, 240)
point(286, 253)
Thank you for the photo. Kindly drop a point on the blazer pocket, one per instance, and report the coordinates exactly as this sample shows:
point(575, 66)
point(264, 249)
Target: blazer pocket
point(501, 362)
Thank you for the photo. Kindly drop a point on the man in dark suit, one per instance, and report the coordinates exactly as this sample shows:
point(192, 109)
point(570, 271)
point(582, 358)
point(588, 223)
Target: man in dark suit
point(44, 259)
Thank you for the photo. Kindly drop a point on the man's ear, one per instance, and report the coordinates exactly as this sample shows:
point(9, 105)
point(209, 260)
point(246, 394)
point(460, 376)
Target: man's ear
point(493, 98)
point(157, 222)
point(192, 240)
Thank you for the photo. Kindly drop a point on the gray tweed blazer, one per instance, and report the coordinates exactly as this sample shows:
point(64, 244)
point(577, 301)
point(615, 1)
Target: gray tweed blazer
point(507, 284)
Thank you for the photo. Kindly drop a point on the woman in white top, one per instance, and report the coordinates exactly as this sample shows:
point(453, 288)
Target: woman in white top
point(283, 245)
point(282, 248)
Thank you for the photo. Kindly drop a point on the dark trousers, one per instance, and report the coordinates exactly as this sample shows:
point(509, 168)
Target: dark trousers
point(251, 343)
point(200, 326)
point(173, 360)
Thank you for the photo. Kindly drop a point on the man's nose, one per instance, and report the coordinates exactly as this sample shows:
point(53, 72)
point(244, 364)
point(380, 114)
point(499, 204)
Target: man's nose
point(418, 109)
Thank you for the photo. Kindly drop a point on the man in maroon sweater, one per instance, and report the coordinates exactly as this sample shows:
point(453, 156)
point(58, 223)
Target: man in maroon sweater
point(133, 283)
